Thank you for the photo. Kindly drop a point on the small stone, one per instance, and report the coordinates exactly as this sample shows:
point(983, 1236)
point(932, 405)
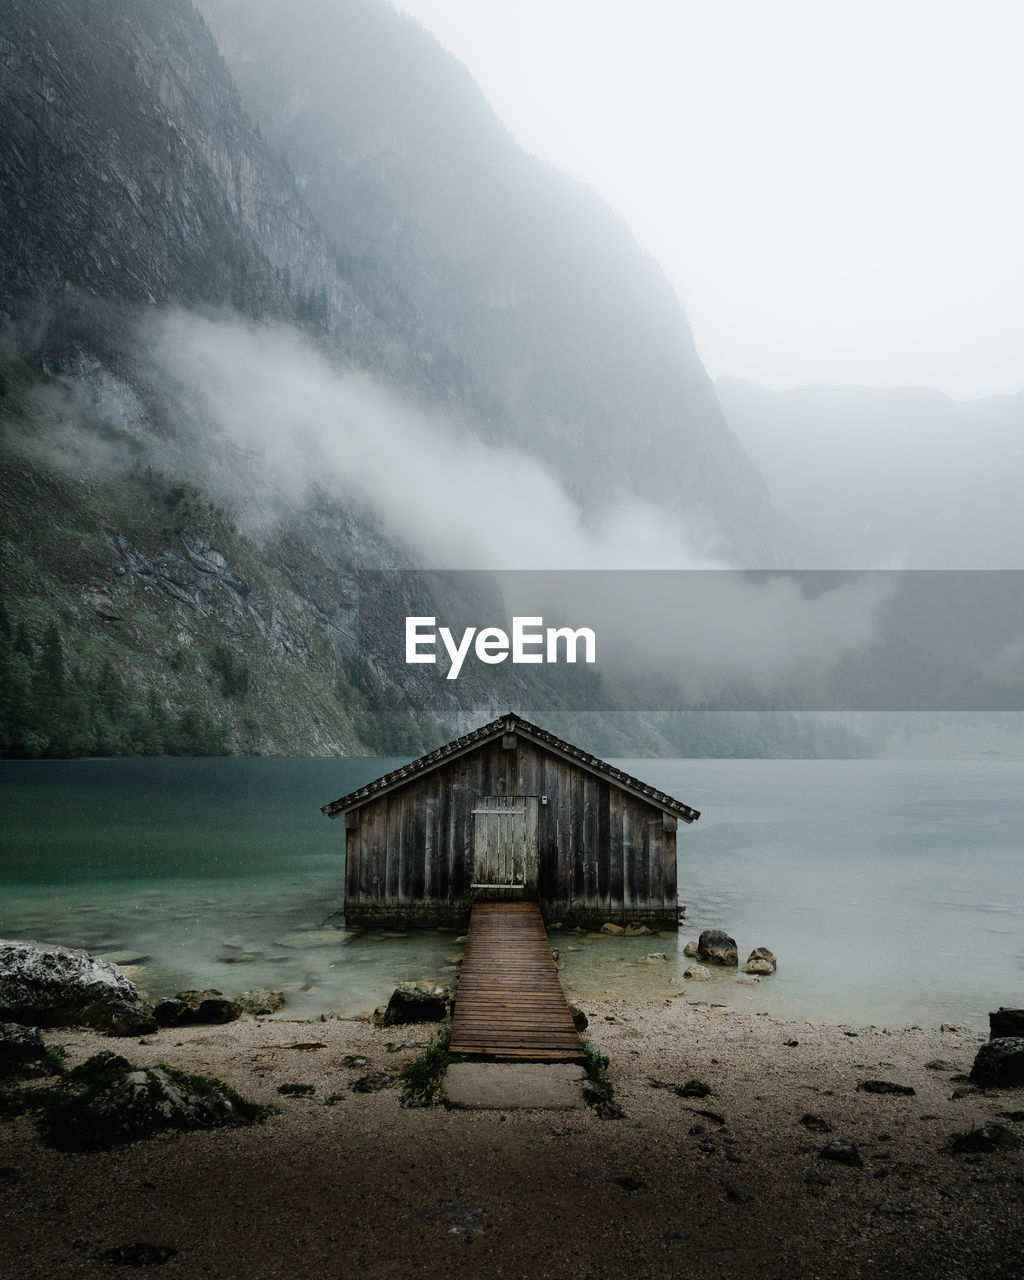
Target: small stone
point(609, 927)
point(885, 1086)
point(690, 951)
point(636, 930)
point(656, 955)
point(940, 1064)
point(714, 946)
point(579, 1019)
point(816, 1124)
point(697, 973)
point(842, 1151)
point(355, 1060)
point(750, 980)
point(791, 1044)
point(372, 1082)
point(693, 1089)
point(989, 1137)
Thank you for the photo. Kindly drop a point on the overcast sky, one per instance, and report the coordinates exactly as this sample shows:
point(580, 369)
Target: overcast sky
point(834, 187)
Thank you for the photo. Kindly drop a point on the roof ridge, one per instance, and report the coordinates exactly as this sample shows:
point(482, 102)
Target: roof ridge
point(458, 746)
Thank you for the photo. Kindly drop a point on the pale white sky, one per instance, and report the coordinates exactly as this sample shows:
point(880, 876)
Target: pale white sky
point(834, 187)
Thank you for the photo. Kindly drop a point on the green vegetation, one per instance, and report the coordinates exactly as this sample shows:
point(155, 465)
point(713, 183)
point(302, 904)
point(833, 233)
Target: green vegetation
point(51, 708)
point(597, 1062)
point(422, 1077)
point(293, 1090)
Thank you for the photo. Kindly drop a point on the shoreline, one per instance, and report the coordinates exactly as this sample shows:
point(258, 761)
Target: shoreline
point(732, 1183)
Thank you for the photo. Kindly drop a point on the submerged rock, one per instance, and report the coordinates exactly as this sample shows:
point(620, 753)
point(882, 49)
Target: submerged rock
point(260, 1001)
point(761, 962)
point(51, 986)
point(690, 951)
point(714, 946)
point(697, 973)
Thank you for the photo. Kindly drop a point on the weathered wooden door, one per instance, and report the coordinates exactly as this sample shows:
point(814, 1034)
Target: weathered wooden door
point(505, 842)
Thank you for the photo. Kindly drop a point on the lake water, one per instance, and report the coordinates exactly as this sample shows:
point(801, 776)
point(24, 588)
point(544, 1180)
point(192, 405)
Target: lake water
point(890, 891)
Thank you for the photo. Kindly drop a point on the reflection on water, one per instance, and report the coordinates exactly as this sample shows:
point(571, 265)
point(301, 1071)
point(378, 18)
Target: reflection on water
point(889, 890)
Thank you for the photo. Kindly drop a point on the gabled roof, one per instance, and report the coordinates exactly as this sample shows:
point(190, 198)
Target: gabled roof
point(509, 723)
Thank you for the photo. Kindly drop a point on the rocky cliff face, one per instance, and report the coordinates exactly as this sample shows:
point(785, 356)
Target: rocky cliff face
point(377, 207)
point(550, 328)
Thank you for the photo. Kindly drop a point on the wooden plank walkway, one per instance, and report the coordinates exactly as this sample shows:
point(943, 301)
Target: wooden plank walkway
point(510, 1005)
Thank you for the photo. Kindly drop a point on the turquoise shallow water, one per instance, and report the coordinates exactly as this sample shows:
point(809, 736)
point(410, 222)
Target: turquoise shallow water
point(891, 891)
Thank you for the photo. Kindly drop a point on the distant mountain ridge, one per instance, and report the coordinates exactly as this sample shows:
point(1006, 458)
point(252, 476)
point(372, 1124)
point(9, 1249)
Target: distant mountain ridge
point(900, 477)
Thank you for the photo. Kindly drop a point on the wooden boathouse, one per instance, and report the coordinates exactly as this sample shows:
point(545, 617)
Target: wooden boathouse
point(510, 812)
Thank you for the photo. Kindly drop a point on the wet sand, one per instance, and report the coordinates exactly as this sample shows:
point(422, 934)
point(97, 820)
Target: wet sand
point(366, 1188)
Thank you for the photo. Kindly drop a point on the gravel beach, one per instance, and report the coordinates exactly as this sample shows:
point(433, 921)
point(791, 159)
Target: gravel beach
point(730, 1184)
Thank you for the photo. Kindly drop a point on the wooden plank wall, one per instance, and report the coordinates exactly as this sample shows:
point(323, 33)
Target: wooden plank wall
point(599, 848)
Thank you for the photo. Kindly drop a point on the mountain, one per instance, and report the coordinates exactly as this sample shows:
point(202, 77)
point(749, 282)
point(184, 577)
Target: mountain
point(237, 298)
point(890, 477)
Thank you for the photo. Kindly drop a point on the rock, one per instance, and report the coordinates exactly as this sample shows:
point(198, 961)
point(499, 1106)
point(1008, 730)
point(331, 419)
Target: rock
point(693, 1089)
point(697, 973)
point(172, 1013)
point(653, 956)
point(140, 1103)
point(760, 962)
point(885, 1086)
point(842, 1151)
point(21, 1048)
point(262, 1000)
point(407, 1004)
point(372, 1082)
point(608, 927)
point(60, 986)
point(999, 1062)
point(579, 1019)
point(716, 947)
point(690, 951)
point(990, 1137)
point(1006, 1022)
point(636, 930)
point(816, 1124)
point(750, 980)
point(122, 958)
point(940, 1064)
point(555, 953)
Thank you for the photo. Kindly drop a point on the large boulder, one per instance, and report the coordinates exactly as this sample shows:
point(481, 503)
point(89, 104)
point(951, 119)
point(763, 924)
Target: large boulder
point(999, 1062)
point(1006, 1022)
point(51, 986)
point(714, 946)
point(127, 1104)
